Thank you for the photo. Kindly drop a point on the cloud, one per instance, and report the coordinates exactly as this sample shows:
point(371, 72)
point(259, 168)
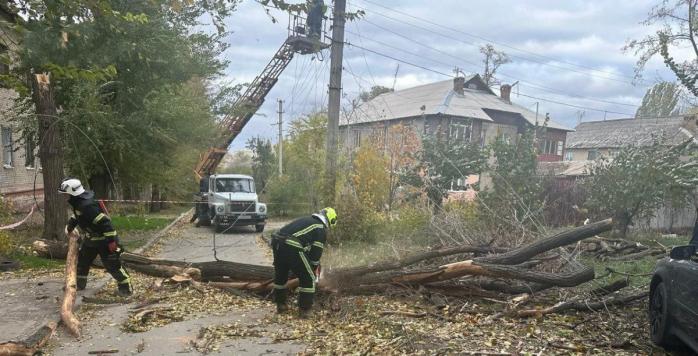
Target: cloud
point(552, 44)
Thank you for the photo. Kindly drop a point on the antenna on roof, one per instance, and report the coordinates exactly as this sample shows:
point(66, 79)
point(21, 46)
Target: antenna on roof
point(458, 71)
point(395, 76)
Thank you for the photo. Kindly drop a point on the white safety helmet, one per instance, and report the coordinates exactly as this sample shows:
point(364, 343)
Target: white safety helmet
point(71, 186)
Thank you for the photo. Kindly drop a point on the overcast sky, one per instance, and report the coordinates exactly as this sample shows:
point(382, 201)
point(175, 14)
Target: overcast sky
point(563, 51)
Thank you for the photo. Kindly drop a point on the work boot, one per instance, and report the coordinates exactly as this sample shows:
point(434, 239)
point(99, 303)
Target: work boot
point(81, 283)
point(124, 290)
point(281, 308)
point(304, 313)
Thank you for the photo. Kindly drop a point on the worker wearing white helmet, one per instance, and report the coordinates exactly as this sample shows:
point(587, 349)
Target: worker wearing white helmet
point(100, 237)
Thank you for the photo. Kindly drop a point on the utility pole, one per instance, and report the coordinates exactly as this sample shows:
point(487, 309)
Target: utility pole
point(334, 99)
point(281, 137)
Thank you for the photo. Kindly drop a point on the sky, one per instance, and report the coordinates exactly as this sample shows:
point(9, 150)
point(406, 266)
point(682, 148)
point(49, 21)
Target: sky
point(562, 52)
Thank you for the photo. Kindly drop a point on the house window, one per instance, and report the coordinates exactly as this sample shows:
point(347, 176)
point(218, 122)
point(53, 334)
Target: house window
point(460, 132)
point(551, 147)
point(29, 160)
point(568, 156)
point(592, 155)
point(357, 138)
point(560, 148)
point(7, 146)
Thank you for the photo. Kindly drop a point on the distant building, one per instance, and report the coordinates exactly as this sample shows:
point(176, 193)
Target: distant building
point(596, 139)
point(20, 181)
point(463, 108)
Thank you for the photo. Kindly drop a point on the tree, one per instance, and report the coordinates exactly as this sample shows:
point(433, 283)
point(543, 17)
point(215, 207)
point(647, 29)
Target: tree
point(493, 60)
point(126, 107)
point(370, 177)
point(516, 191)
point(375, 91)
point(263, 161)
point(677, 20)
point(304, 162)
point(639, 180)
point(440, 162)
point(660, 101)
point(401, 147)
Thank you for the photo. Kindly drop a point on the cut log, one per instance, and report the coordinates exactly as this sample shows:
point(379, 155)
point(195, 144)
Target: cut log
point(610, 288)
point(638, 255)
point(584, 305)
point(71, 270)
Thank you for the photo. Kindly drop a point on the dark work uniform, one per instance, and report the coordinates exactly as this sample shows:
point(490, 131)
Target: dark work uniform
point(99, 233)
point(316, 11)
point(298, 247)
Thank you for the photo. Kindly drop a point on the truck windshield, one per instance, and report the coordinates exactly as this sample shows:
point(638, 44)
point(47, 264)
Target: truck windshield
point(234, 185)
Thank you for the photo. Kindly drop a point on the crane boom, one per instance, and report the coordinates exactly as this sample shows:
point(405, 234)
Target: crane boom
point(252, 99)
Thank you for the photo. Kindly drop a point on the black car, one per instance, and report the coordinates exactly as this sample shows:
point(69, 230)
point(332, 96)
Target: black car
point(673, 302)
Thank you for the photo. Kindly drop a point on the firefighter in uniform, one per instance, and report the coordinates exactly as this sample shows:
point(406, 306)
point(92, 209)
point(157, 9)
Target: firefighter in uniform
point(101, 238)
point(298, 247)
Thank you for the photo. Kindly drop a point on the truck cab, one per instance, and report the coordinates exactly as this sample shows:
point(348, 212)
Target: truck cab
point(232, 201)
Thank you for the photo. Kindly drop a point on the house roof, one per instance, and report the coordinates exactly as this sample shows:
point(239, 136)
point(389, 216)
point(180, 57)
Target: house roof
point(440, 98)
point(623, 132)
point(564, 168)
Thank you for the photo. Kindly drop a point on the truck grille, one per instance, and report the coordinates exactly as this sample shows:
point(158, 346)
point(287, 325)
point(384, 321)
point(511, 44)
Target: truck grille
point(242, 206)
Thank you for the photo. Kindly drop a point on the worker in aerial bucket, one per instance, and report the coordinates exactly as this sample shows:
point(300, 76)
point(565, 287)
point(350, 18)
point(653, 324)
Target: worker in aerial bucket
point(101, 238)
point(298, 247)
point(316, 12)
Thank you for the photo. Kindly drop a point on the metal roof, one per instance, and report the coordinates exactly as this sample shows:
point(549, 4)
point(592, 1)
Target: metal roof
point(625, 132)
point(439, 98)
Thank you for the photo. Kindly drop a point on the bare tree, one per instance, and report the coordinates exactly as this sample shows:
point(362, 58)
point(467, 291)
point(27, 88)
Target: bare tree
point(493, 60)
point(677, 30)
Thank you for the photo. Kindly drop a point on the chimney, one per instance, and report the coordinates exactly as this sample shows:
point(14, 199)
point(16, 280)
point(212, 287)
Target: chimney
point(505, 92)
point(458, 84)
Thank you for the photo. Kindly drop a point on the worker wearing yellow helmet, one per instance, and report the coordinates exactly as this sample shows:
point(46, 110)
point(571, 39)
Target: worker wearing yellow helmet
point(298, 247)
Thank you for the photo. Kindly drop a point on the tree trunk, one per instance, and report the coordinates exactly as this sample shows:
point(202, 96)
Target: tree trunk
point(51, 156)
point(99, 183)
point(154, 199)
point(71, 270)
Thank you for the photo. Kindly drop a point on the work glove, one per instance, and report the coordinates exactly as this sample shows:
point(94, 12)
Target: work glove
point(112, 246)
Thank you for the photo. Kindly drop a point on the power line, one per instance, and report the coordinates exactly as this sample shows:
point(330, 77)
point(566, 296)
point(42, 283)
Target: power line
point(524, 95)
point(539, 86)
point(498, 43)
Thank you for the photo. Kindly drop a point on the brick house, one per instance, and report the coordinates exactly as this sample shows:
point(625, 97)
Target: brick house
point(463, 108)
point(20, 170)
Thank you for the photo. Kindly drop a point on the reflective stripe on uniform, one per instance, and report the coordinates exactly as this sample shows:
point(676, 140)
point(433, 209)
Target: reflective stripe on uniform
point(99, 218)
point(306, 290)
point(96, 238)
point(319, 244)
point(109, 233)
point(310, 270)
point(309, 229)
point(279, 286)
point(294, 243)
point(128, 277)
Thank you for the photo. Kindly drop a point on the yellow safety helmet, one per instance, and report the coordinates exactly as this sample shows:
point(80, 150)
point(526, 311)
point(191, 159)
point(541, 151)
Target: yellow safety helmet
point(331, 216)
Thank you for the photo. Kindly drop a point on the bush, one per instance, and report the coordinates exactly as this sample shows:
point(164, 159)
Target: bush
point(7, 246)
point(357, 221)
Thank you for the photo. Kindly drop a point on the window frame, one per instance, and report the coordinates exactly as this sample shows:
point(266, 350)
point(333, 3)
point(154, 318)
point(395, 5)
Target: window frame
point(7, 147)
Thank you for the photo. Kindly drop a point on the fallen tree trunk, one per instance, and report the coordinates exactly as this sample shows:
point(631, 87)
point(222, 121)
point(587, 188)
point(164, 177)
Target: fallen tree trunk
point(31, 345)
point(514, 265)
point(71, 270)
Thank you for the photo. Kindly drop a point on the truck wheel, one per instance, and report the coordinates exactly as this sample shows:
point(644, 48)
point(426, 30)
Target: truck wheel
point(259, 228)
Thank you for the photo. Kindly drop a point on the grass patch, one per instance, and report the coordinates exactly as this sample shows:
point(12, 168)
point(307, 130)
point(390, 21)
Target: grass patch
point(35, 262)
point(139, 223)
